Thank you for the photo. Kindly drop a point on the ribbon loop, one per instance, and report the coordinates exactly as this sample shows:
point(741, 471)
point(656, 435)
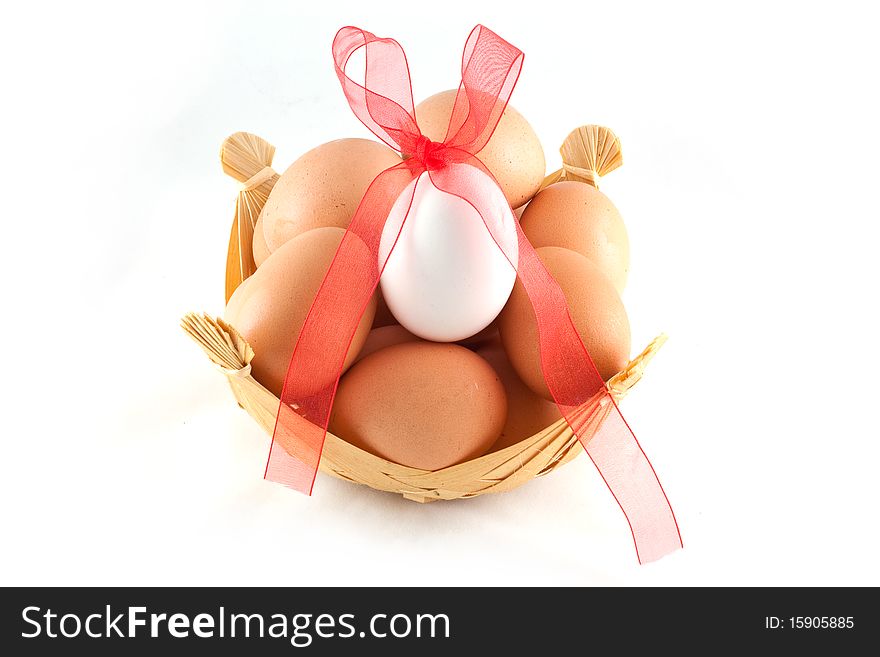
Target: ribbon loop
point(490, 68)
point(384, 102)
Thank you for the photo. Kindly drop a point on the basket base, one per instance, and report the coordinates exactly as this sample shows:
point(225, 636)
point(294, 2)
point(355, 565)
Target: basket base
point(496, 472)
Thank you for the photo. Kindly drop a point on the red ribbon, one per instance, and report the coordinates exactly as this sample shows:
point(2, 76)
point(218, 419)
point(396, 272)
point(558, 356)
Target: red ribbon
point(384, 103)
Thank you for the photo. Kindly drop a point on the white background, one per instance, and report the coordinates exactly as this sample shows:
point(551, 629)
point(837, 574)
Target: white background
point(750, 138)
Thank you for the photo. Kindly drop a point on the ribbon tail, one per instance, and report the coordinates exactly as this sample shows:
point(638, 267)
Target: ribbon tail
point(574, 382)
point(629, 475)
point(322, 346)
point(592, 414)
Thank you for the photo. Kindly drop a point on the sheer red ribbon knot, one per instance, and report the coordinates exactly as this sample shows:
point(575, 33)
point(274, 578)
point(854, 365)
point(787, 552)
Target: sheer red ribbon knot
point(384, 104)
point(430, 154)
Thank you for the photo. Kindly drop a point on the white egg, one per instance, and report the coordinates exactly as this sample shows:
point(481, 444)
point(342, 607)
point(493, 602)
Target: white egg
point(447, 278)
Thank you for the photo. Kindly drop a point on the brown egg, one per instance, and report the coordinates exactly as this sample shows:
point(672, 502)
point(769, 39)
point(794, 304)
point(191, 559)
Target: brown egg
point(260, 248)
point(579, 217)
point(323, 188)
point(233, 306)
point(513, 154)
point(385, 336)
point(527, 413)
point(270, 307)
point(595, 308)
point(426, 405)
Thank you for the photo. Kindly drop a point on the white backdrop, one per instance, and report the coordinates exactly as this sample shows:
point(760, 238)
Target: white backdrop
point(750, 139)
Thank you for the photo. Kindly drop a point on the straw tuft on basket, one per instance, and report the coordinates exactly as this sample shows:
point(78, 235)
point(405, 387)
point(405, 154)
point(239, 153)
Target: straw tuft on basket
point(223, 344)
point(247, 158)
point(587, 153)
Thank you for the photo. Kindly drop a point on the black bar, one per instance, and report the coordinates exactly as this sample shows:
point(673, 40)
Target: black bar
point(514, 620)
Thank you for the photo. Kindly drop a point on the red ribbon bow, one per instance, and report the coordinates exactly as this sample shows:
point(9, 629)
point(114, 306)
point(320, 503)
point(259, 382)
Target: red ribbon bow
point(490, 69)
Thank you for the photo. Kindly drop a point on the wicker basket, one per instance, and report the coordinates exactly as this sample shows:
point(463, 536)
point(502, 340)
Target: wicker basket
point(248, 159)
